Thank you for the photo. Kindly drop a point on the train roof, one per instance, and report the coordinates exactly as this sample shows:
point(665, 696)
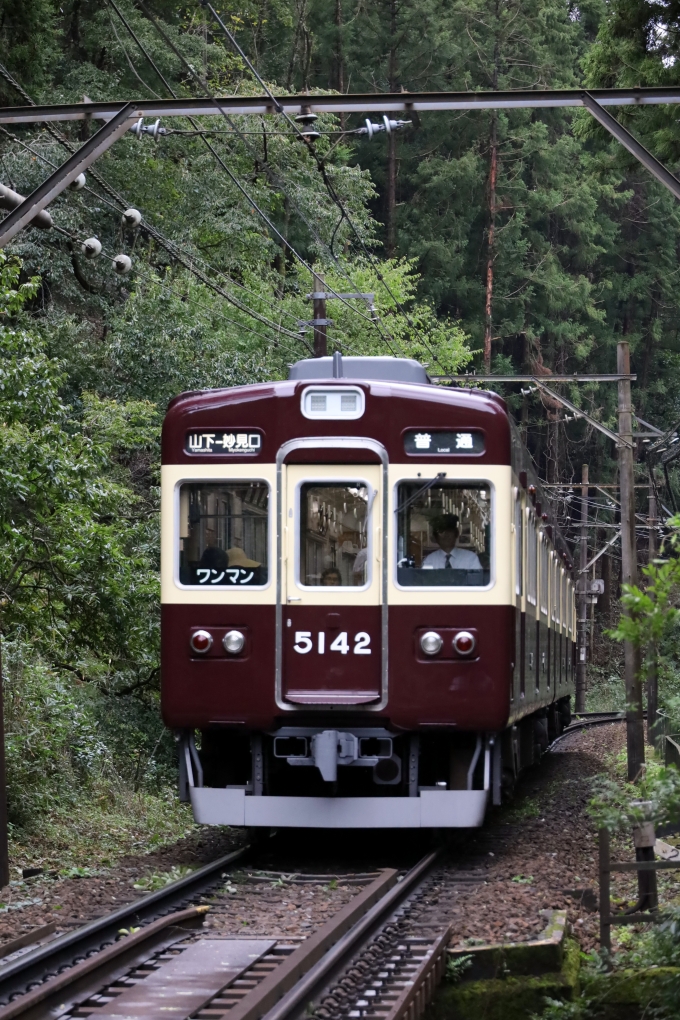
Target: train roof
point(386, 369)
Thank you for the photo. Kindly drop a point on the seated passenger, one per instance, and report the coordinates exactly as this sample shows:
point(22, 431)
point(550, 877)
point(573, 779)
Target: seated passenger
point(445, 530)
point(213, 558)
point(331, 577)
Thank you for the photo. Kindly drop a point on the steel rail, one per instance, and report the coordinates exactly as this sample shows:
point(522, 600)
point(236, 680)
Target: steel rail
point(402, 102)
point(324, 971)
point(593, 719)
point(103, 967)
point(34, 967)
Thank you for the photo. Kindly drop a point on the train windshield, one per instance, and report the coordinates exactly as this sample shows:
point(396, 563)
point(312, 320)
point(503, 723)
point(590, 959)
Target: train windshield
point(443, 534)
point(334, 534)
point(223, 534)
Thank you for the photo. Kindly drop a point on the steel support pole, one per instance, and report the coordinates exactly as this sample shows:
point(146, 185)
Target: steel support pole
point(635, 733)
point(581, 620)
point(65, 174)
point(622, 135)
point(320, 342)
point(652, 673)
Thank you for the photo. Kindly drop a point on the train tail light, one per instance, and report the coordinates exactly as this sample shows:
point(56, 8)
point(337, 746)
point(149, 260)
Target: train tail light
point(201, 642)
point(464, 642)
point(431, 642)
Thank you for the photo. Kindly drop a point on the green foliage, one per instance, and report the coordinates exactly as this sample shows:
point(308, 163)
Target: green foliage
point(159, 879)
point(651, 618)
point(456, 968)
point(621, 806)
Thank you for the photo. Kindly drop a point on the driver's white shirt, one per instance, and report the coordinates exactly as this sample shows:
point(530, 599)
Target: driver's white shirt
point(459, 559)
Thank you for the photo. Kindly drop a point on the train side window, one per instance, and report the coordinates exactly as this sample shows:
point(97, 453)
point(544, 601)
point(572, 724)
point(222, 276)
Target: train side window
point(334, 534)
point(532, 563)
point(558, 594)
point(443, 534)
point(565, 607)
point(224, 534)
point(519, 559)
point(543, 544)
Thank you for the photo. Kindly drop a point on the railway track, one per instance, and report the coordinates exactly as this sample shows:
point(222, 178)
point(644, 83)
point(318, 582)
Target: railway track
point(381, 955)
point(585, 719)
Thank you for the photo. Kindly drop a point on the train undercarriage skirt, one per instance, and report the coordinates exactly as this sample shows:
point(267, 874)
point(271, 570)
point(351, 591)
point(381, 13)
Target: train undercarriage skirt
point(431, 809)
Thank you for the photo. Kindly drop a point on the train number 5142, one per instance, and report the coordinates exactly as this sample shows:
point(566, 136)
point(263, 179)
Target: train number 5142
point(304, 643)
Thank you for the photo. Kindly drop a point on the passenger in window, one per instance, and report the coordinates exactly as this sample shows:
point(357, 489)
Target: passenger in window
point(213, 558)
point(446, 531)
point(238, 558)
point(331, 577)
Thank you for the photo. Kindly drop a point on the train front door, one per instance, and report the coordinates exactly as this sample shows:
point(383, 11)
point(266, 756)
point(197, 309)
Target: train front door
point(331, 584)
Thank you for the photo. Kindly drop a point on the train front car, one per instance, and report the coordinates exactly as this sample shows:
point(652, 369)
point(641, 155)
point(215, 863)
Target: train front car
point(364, 613)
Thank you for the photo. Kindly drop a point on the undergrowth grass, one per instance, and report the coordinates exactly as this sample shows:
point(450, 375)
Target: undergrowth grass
point(97, 833)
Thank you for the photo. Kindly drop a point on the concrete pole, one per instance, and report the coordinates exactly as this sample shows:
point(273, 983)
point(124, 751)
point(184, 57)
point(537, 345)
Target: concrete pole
point(635, 731)
point(581, 604)
point(652, 675)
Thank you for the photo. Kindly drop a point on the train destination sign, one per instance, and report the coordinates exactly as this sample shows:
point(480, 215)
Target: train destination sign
point(437, 441)
point(217, 442)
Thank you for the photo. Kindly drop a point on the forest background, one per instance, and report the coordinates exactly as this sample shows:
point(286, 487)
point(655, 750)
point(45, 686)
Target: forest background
point(529, 232)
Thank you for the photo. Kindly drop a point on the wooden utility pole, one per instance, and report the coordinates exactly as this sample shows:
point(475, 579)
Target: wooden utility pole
point(4, 849)
point(581, 616)
point(652, 675)
point(319, 298)
point(635, 732)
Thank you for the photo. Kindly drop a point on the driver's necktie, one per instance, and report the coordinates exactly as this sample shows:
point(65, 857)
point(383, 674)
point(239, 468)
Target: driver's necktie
point(447, 561)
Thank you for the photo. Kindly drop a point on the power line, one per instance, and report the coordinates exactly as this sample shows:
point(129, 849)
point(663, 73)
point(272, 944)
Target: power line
point(278, 183)
point(169, 246)
point(322, 170)
point(212, 311)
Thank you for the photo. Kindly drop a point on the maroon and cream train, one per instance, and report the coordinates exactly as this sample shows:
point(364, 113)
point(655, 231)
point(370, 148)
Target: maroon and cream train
point(366, 611)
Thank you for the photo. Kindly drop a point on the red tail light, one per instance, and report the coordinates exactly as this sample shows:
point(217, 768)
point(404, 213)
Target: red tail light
point(464, 642)
point(201, 642)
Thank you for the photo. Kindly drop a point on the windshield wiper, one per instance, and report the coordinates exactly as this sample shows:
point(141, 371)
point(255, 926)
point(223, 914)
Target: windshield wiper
point(428, 485)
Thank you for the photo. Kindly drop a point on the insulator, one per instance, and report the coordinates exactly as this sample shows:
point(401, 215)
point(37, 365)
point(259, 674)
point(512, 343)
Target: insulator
point(78, 183)
point(306, 117)
point(132, 217)
point(387, 125)
point(91, 247)
point(122, 264)
point(155, 129)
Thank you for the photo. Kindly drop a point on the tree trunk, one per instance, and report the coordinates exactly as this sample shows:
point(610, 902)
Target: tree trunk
point(339, 57)
point(488, 307)
point(391, 141)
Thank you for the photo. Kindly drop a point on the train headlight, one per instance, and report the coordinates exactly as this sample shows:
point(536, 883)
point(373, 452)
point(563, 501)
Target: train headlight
point(201, 642)
point(233, 642)
point(431, 642)
point(464, 642)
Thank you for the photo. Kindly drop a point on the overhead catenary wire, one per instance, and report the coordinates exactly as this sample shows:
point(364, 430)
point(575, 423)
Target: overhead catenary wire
point(203, 85)
point(198, 131)
point(170, 246)
point(321, 167)
point(170, 290)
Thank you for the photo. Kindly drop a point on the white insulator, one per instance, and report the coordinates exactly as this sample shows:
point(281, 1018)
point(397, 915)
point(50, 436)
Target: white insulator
point(91, 248)
point(132, 217)
point(78, 183)
point(122, 264)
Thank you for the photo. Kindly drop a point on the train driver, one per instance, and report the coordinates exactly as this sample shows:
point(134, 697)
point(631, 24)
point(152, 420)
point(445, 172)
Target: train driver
point(445, 531)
